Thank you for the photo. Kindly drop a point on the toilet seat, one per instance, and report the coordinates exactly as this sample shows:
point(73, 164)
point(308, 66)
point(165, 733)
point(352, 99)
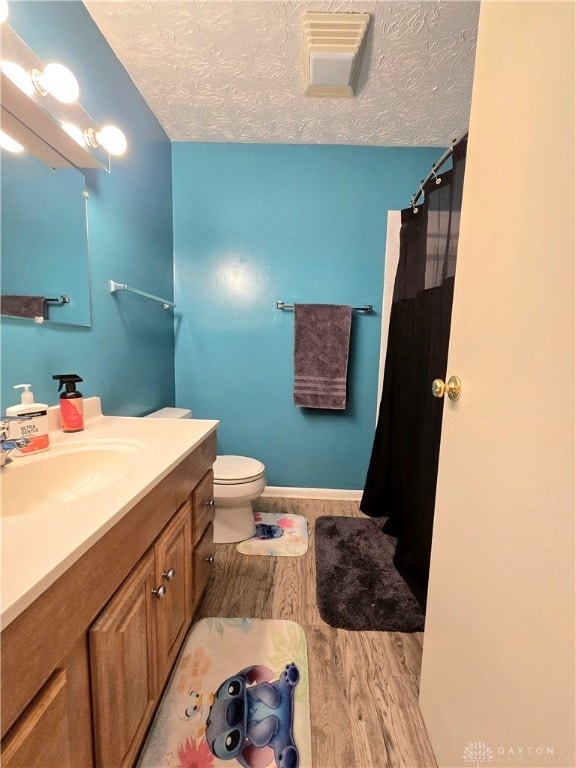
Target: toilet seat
point(237, 470)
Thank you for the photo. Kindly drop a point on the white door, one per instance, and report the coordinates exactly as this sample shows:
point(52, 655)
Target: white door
point(498, 671)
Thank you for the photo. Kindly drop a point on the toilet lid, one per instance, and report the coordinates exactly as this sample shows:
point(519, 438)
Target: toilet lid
point(170, 413)
point(237, 469)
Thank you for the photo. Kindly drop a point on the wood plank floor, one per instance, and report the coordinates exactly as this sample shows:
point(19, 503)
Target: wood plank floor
point(363, 685)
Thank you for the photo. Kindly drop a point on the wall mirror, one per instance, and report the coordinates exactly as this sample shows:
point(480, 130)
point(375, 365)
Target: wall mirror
point(44, 237)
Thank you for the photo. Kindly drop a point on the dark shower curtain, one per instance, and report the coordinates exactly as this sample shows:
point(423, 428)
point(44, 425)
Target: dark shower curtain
point(401, 478)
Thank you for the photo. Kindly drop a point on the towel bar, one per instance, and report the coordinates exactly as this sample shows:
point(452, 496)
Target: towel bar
point(367, 308)
point(64, 299)
point(113, 286)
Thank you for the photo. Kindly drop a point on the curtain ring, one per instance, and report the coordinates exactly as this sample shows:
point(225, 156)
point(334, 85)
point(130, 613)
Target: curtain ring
point(437, 179)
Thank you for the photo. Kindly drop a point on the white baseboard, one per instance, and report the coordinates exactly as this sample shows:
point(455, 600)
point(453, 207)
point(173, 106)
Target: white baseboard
point(312, 493)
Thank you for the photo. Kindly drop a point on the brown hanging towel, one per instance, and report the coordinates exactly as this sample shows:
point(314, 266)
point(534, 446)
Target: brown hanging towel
point(24, 306)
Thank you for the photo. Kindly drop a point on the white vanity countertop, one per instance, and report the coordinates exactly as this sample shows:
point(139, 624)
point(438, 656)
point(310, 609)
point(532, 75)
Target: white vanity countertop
point(39, 546)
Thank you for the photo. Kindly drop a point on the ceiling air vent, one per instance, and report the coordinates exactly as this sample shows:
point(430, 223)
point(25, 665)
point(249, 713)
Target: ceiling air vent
point(333, 48)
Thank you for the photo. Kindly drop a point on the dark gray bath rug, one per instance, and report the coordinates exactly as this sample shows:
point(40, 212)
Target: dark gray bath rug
point(357, 585)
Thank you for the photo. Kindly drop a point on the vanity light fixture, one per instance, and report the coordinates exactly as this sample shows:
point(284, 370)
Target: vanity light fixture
point(10, 144)
point(40, 110)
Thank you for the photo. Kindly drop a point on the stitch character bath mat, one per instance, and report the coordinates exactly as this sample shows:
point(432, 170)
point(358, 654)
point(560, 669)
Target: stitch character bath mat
point(277, 535)
point(238, 696)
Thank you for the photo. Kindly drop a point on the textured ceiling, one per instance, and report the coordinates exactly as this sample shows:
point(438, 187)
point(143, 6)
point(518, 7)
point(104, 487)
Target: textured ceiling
point(231, 70)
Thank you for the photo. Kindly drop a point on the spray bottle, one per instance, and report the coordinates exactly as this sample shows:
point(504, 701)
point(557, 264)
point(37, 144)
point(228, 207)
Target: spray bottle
point(71, 403)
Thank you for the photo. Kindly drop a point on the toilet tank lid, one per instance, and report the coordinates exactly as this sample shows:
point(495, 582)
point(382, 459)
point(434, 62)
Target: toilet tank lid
point(230, 468)
point(170, 413)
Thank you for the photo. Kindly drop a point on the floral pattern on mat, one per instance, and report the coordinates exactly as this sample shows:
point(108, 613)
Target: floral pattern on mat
point(277, 535)
point(226, 664)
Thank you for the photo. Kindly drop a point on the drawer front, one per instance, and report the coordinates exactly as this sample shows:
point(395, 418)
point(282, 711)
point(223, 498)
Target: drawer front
point(203, 563)
point(193, 469)
point(203, 510)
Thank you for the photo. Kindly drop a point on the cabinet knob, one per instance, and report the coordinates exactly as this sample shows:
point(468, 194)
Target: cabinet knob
point(169, 574)
point(210, 503)
point(159, 592)
point(210, 559)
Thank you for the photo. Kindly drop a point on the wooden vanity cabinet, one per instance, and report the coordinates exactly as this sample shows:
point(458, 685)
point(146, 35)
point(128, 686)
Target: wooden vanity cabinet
point(83, 668)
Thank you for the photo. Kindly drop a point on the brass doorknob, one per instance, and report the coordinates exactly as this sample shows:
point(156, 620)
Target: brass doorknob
point(453, 388)
point(438, 388)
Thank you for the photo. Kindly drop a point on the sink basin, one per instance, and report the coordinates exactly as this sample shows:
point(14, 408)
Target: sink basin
point(38, 483)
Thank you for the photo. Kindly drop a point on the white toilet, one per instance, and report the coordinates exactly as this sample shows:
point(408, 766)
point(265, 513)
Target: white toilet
point(238, 481)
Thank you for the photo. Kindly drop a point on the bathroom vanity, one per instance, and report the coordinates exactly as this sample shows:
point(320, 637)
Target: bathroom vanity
point(90, 638)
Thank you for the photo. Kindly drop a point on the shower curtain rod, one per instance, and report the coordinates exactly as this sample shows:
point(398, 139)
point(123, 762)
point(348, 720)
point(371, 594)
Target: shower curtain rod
point(435, 167)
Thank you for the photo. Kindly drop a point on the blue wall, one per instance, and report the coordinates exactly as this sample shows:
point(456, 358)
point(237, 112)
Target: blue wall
point(257, 223)
point(127, 356)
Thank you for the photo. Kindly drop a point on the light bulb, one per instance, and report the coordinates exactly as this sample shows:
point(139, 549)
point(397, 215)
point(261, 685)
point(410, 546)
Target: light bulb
point(3, 10)
point(19, 76)
point(112, 139)
point(75, 133)
point(109, 137)
point(10, 144)
point(61, 83)
point(57, 80)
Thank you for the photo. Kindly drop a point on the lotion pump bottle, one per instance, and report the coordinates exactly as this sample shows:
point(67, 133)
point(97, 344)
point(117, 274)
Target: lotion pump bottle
point(71, 403)
point(34, 423)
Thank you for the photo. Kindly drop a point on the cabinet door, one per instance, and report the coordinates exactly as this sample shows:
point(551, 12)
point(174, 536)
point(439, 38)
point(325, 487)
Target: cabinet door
point(173, 572)
point(123, 665)
point(203, 560)
point(203, 510)
point(40, 738)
